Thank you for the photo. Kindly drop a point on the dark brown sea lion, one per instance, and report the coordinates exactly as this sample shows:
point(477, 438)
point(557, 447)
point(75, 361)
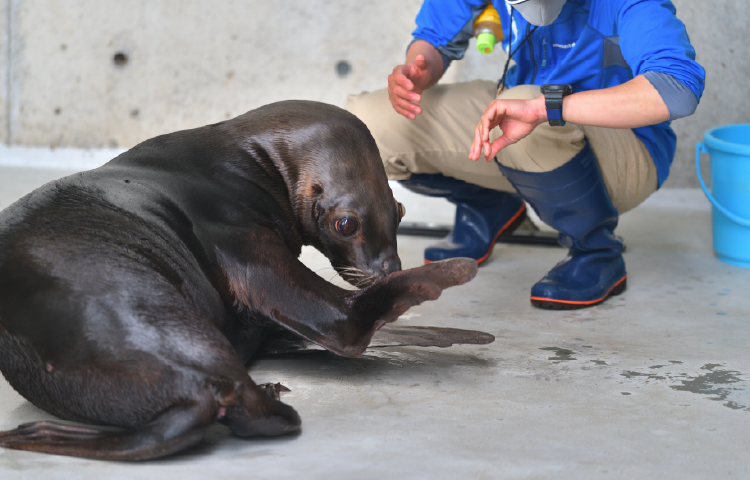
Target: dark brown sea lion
point(133, 295)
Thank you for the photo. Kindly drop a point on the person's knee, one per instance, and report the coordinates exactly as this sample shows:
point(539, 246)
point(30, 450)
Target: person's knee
point(521, 92)
point(367, 105)
point(544, 150)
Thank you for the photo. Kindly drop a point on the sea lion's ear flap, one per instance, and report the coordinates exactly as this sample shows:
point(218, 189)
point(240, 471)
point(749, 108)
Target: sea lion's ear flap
point(316, 189)
point(400, 210)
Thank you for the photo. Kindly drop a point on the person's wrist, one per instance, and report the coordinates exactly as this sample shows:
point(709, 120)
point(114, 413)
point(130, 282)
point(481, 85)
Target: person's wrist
point(541, 110)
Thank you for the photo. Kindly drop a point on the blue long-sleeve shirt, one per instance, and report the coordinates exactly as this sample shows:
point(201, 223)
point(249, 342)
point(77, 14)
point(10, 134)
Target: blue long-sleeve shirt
point(593, 44)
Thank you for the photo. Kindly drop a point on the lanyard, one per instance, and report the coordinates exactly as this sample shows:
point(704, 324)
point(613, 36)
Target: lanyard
point(501, 82)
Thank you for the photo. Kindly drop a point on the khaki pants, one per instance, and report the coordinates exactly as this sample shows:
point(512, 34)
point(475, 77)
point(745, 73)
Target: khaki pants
point(438, 141)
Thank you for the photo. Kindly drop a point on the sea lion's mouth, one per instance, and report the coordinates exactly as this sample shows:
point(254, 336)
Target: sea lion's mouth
point(357, 277)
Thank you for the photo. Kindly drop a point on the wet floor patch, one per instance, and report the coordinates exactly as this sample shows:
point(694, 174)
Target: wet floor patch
point(646, 376)
point(720, 384)
point(561, 354)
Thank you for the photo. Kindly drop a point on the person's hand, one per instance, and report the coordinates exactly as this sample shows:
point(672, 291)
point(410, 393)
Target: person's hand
point(516, 119)
point(406, 84)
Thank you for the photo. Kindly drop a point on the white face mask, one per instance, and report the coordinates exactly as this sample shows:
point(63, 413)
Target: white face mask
point(538, 12)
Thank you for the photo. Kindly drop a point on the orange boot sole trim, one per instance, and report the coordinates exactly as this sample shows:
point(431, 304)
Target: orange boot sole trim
point(552, 304)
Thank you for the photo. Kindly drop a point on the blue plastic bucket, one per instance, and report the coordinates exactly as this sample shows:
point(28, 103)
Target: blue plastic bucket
point(729, 147)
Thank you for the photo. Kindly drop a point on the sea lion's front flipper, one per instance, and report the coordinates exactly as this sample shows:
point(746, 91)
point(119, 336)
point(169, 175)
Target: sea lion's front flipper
point(287, 292)
point(386, 300)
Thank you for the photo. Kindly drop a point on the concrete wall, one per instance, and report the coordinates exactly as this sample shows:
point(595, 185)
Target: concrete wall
point(718, 32)
point(5, 64)
point(193, 62)
point(189, 62)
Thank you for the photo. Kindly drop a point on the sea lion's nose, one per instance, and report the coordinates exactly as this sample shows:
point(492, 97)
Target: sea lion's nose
point(392, 264)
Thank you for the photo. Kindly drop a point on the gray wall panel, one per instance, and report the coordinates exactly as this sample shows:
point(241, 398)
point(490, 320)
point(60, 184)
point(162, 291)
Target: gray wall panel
point(718, 31)
point(193, 62)
point(4, 68)
point(190, 62)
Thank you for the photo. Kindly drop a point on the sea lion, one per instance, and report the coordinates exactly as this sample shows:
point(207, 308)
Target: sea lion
point(134, 294)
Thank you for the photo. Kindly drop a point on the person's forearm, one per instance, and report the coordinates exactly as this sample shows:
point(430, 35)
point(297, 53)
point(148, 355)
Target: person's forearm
point(431, 55)
point(633, 104)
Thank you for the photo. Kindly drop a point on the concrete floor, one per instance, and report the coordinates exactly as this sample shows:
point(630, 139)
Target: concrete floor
point(652, 384)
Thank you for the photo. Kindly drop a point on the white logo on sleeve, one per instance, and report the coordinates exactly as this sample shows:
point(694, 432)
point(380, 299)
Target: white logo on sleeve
point(569, 45)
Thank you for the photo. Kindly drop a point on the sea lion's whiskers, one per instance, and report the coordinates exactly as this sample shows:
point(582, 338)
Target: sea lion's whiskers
point(355, 276)
point(365, 281)
point(350, 272)
point(324, 268)
point(348, 269)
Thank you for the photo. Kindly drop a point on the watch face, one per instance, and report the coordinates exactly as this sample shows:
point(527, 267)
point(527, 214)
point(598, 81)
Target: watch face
point(563, 89)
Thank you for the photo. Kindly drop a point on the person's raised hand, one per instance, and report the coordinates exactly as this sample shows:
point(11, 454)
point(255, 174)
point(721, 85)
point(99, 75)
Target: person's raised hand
point(516, 119)
point(406, 84)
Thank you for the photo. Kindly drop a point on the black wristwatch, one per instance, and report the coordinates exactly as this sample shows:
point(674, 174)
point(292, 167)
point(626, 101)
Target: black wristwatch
point(553, 100)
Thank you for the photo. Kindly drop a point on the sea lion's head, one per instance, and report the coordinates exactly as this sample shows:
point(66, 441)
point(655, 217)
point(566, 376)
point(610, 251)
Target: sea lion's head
point(348, 211)
point(355, 226)
point(335, 181)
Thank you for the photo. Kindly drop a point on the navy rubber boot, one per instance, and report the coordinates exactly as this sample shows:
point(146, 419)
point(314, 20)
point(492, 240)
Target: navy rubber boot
point(574, 200)
point(482, 215)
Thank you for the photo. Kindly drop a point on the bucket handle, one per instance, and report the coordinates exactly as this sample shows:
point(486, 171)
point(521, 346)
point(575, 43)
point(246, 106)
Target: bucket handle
point(701, 148)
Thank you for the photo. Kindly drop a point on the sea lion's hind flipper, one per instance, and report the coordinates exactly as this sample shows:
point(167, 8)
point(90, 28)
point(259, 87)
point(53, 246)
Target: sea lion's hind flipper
point(413, 336)
point(274, 390)
point(390, 335)
point(174, 430)
point(260, 413)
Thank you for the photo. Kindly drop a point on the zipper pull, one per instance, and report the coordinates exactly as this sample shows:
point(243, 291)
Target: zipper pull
point(544, 51)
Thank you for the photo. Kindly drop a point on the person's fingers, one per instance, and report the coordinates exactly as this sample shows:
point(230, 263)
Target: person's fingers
point(482, 133)
point(418, 73)
point(420, 62)
point(401, 92)
point(400, 79)
point(486, 123)
point(402, 74)
point(515, 122)
point(476, 145)
point(402, 109)
point(498, 145)
point(405, 105)
point(491, 118)
point(405, 113)
point(484, 137)
point(479, 137)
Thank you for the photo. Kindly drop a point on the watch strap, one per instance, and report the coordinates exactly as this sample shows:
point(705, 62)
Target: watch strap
point(553, 102)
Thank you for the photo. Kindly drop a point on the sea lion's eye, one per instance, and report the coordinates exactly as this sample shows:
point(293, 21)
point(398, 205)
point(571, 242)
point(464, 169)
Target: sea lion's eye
point(401, 209)
point(347, 225)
